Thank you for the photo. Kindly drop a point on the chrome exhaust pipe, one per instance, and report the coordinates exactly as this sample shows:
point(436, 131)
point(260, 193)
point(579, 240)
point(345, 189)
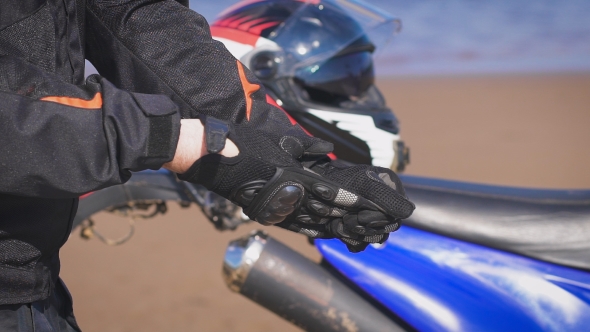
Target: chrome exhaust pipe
point(298, 290)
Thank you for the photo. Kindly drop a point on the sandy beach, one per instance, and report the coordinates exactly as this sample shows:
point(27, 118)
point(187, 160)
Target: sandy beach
point(519, 130)
point(515, 130)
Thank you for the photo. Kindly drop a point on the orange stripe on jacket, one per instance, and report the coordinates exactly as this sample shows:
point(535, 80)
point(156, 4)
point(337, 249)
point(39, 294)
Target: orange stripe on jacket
point(94, 103)
point(249, 89)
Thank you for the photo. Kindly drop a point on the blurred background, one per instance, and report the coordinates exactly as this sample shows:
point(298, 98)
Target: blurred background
point(490, 91)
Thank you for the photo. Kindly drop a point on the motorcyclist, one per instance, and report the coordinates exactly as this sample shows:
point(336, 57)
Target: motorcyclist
point(62, 137)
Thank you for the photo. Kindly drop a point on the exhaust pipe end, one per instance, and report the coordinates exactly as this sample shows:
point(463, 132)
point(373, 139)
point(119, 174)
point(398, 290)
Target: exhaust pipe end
point(297, 289)
point(240, 257)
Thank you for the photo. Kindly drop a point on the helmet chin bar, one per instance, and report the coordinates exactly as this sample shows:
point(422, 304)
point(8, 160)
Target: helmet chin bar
point(364, 132)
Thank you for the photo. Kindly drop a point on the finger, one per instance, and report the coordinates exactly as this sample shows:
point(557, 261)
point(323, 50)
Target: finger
point(389, 193)
point(311, 219)
point(336, 228)
point(313, 233)
point(373, 218)
point(292, 145)
point(390, 228)
point(324, 190)
point(303, 229)
point(299, 144)
point(395, 205)
point(373, 238)
point(321, 209)
point(317, 147)
point(354, 246)
point(369, 223)
point(351, 223)
point(387, 177)
point(372, 188)
point(342, 199)
point(370, 232)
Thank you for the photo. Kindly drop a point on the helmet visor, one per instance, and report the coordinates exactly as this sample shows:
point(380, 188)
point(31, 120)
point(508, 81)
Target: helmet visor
point(346, 75)
point(320, 30)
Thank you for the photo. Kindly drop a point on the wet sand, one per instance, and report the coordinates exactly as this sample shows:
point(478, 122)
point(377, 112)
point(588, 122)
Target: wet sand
point(511, 130)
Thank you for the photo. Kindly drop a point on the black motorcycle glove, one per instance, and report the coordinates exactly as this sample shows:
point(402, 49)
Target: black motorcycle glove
point(270, 184)
point(268, 180)
point(356, 227)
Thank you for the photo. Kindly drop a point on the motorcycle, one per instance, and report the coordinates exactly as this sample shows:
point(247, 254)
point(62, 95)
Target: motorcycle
point(471, 257)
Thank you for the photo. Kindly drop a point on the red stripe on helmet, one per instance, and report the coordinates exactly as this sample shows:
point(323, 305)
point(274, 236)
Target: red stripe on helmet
point(246, 25)
point(257, 30)
point(235, 35)
point(235, 23)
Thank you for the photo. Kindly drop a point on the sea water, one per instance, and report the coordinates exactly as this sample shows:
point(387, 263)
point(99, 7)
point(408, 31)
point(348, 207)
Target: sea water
point(476, 37)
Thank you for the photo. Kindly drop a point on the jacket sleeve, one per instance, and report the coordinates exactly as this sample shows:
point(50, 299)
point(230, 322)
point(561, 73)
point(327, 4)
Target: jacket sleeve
point(162, 47)
point(59, 140)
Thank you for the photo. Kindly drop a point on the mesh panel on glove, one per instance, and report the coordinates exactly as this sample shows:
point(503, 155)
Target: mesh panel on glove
point(377, 184)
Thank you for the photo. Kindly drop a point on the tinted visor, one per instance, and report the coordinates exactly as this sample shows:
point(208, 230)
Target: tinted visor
point(323, 30)
point(344, 75)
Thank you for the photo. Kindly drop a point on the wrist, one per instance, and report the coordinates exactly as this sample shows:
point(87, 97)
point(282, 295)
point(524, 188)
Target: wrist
point(191, 146)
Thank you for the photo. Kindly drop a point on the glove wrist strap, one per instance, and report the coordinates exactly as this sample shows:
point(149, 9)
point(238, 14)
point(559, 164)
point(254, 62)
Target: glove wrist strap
point(216, 132)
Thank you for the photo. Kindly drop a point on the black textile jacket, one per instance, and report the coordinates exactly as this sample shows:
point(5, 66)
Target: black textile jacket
point(61, 136)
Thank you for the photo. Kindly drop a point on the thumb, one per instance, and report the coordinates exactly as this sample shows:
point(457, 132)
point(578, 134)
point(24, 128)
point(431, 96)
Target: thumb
point(305, 146)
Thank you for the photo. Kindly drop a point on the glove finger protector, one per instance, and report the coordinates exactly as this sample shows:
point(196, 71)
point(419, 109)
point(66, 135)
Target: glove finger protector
point(365, 222)
point(335, 229)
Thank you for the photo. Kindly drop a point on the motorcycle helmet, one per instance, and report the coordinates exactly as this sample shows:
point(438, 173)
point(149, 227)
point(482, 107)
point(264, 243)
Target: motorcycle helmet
point(315, 58)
